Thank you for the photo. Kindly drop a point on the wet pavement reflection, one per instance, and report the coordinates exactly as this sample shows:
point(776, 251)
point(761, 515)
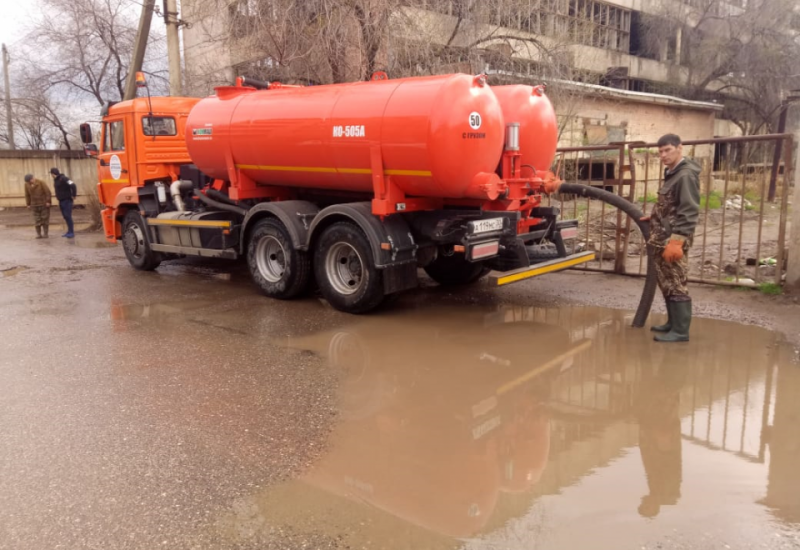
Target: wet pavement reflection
point(544, 428)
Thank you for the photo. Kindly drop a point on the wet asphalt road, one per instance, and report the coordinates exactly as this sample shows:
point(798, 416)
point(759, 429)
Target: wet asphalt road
point(126, 428)
point(180, 409)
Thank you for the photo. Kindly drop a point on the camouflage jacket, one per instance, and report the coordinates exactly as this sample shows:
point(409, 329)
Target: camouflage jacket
point(678, 206)
point(37, 193)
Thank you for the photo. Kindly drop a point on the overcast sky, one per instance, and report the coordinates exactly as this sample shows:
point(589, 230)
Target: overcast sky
point(15, 18)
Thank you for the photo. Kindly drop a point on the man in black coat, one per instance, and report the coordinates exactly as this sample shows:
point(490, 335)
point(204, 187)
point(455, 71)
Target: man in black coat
point(66, 191)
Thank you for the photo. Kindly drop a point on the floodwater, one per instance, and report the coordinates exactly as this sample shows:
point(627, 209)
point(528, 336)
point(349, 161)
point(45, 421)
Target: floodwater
point(532, 428)
point(179, 409)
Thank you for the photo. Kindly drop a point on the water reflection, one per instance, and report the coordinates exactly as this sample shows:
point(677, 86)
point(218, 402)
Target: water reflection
point(468, 425)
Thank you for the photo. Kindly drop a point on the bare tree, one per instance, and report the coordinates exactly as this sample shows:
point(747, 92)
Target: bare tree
point(82, 48)
point(745, 54)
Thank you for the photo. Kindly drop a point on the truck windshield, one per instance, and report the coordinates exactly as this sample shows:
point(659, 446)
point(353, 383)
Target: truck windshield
point(159, 126)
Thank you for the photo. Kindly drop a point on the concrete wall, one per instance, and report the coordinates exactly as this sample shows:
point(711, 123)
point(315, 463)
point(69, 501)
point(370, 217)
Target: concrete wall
point(638, 121)
point(83, 171)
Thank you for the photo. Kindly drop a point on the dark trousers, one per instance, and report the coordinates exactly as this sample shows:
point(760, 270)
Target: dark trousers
point(66, 211)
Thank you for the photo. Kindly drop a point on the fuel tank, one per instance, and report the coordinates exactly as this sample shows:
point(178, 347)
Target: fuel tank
point(438, 136)
point(538, 132)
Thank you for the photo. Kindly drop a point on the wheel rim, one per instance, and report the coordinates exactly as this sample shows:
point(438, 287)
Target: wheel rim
point(134, 240)
point(271, 259)
point(344, 268)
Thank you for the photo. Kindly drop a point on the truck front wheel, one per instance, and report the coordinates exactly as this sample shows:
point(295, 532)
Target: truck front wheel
point(345, 269)
point(136, 244)
point(455, 270)
point(279, 270)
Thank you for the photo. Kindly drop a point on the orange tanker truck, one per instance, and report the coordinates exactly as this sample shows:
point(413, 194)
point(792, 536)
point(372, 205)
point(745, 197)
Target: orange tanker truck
point(356, 185)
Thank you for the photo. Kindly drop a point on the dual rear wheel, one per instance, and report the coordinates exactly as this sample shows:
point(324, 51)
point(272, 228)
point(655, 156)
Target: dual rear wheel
point(344, 268)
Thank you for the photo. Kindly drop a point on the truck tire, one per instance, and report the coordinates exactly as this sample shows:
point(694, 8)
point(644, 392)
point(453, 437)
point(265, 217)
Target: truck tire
point(345, 269)
point(455, 270)
point(279, 270)
point(136, 243)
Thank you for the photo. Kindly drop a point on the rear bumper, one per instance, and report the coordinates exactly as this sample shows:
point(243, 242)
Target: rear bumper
point(497, 278)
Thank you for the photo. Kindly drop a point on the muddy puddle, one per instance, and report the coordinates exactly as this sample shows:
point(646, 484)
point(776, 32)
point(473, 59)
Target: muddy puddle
point(543, 428)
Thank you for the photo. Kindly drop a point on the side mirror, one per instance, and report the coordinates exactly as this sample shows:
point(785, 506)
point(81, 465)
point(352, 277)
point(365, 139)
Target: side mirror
point(90, 149)
point(86, 133)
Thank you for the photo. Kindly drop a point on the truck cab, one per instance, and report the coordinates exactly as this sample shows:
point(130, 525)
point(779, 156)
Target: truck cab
point(142, 142)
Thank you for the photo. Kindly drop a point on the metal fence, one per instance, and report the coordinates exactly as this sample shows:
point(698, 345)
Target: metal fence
point(741, 235)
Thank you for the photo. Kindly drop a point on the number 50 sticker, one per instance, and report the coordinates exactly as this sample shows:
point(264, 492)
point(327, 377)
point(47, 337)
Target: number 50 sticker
point(474, 120)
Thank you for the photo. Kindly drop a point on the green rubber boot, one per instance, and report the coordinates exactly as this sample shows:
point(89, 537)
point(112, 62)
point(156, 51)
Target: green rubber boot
point(666, 327)
point(681, 321)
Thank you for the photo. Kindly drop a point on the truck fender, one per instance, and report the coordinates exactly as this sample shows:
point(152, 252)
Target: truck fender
point(390, 238)
point(125, 196)
point(296, 216)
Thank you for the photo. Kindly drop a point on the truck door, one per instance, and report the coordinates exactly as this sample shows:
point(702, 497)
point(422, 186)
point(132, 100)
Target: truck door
point(113, 159)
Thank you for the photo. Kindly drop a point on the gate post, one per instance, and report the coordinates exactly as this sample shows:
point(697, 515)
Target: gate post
point(793, 243)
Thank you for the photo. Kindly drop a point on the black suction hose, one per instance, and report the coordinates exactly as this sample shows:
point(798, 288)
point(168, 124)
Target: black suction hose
point(221, 197)
point(650, 283)
point(220, 205)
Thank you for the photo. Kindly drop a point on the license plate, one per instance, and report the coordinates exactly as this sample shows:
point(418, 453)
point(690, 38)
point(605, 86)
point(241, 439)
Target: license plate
point(484, 250)
point(569, 232)
point(486, 226)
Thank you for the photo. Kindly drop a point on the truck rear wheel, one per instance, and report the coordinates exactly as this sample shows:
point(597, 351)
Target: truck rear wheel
point(455, 270)
point(136, 244)
point(279, 270)
point(345, 269)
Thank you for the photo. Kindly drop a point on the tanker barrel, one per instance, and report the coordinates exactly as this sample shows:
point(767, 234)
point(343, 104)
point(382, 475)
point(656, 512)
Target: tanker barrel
point(253, 83)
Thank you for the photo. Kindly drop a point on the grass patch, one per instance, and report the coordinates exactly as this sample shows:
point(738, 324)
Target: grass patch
point(770, 289)
point(651, 198)
point(713, 199)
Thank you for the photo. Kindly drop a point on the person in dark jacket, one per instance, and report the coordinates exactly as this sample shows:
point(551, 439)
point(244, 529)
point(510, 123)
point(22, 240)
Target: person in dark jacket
point(672, 224)
point(66, 191)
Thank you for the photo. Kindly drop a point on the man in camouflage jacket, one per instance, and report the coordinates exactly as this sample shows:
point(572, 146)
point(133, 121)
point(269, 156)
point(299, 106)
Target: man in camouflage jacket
point(672, 224)
point(37, 198)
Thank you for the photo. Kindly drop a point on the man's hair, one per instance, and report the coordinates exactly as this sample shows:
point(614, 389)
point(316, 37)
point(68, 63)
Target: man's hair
point(28, 177)
point(669, 139)
point(55, 171)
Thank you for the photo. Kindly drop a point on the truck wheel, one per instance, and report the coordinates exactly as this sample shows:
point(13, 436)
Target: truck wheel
point(279, 270)
point(136, 244)
point(345, 269)
point(455, 270)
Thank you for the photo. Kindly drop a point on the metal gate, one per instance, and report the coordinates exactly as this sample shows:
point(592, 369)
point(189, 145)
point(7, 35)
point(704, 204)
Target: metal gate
point(741, 235)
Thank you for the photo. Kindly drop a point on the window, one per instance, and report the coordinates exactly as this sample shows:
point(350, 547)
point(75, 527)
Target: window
point(159, 126)
point(114, 136)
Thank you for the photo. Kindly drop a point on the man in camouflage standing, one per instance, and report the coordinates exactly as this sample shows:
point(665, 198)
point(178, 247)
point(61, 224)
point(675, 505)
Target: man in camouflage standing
point(672, 224)
point(37, 198)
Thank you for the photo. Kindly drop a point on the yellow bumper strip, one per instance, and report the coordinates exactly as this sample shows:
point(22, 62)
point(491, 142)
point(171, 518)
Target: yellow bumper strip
point(325, 170)
point(508, 277)
point(190, 223)
point(114, 181)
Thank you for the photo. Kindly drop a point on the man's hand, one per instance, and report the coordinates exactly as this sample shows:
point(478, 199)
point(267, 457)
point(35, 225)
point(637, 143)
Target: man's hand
point(674, 250)
point(644, 219)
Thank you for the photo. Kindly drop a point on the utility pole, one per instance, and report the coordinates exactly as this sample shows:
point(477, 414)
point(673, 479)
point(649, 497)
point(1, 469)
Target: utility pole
point(10, 122)
point(173, 47)
point(139, 46)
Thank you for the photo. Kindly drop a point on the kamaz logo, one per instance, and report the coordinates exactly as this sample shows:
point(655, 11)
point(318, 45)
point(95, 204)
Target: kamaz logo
point(349, 131)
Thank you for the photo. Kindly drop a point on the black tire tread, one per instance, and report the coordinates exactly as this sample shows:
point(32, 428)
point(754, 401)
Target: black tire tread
point(300, 262)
